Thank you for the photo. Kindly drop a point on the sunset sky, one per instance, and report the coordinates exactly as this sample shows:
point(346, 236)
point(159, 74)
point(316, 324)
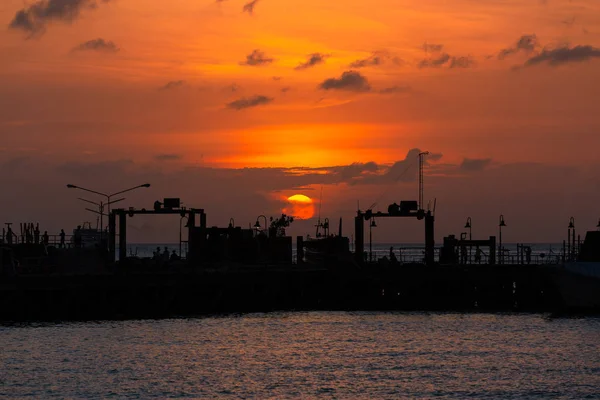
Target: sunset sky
point(235, 106)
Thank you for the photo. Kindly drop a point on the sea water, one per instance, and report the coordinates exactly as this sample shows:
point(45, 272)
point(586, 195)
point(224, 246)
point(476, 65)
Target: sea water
point(306, 355)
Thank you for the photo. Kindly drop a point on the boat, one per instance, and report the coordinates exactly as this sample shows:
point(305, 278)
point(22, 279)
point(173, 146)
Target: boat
point(578, 281)
point(325, 248)
point(90, 237)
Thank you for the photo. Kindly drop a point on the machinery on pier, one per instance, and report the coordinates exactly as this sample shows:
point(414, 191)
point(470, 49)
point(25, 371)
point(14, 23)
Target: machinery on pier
point(406, 208)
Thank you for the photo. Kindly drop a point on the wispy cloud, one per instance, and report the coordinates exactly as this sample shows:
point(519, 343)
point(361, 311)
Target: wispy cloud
point(35, 17)
point(249, 7)
point(100, 45)
point(446, 60)
point(349, 81)
point(461, 62)
point(435, 62)
point(257, 58)
point(172, 85)
point(248, 102)
point(564, 55)
point(432, 48)
point(313, 59)
point(395, 89)
point(526, 44)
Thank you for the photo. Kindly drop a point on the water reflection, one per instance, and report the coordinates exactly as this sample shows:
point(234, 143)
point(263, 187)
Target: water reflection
point(342, 355)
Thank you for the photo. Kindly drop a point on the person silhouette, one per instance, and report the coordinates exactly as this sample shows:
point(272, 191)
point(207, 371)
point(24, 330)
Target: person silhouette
point(45, 238)
point(36, 234)
point(9, 235)
point(62, 238)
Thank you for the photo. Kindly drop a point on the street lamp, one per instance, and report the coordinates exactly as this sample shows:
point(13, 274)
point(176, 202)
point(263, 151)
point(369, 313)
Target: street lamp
point(372, 225)
point(257, 224)
point(108, 196)
point(468, 226)
point(501, 223)
point(100, 211)
point(571, 248)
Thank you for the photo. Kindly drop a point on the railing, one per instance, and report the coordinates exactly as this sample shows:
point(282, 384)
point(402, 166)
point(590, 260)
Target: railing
point(53, 240)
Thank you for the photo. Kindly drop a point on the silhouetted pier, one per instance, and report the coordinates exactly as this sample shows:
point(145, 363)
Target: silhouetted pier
point(231, 269)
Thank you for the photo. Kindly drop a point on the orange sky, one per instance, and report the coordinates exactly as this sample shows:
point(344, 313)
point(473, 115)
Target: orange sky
point(173, 85)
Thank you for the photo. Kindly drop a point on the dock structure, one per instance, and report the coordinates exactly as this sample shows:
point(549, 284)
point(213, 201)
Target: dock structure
point(231, 269)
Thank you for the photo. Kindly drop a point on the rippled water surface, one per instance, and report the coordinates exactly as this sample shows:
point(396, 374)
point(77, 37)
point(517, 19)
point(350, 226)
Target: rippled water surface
point(286, 355)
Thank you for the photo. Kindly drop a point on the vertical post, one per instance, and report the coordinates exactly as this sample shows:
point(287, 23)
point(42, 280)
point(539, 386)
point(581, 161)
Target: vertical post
point(574, 250)
point(122, 235)
point(112, 239)
point(370, 242)
point(429, 239)
point(492, 258)
point(101, 207)
point(202, 219)
point(299, 250)
point(359, 241)
point(569, 244)
point(564, 251)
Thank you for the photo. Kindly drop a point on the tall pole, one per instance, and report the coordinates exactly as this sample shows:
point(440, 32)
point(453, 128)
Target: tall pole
point(421, 183)
point(501, 223)
point(370, 243)
point(108, 196)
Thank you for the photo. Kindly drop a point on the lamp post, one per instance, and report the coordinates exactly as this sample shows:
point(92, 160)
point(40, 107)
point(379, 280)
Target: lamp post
point(571, 249)
point(501, 223)
point(372, 225)
point(468, 226)
point(100, 211)
point(257, 224)
point(108, 196)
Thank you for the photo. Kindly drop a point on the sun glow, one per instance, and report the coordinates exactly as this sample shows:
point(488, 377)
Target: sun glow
point(299, 206)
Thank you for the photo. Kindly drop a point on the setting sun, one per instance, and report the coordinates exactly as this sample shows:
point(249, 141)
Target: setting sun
point(300, 206)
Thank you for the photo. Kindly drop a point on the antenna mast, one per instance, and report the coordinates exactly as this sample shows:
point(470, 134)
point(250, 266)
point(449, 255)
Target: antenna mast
point(421, 165)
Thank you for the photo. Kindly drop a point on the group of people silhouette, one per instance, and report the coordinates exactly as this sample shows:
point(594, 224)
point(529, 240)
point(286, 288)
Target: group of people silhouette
point(165, 255)
point(31, 235)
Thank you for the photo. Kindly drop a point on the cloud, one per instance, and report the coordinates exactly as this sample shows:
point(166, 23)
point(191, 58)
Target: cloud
point(395, 89)
point(474, 164)
point(99, 45)
point(526, 43)
point(256, 58)
point(348, 172)
point(350, 81)
point(564, 55)
point(461, 62)
point(372, 60)
point(313, 59)
point(248, 102)
point(35, 17)
point(167, 157)
point(432, 48)
point(445, 59)
point(434, 62)
point(249, 7)
point(172, 85)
